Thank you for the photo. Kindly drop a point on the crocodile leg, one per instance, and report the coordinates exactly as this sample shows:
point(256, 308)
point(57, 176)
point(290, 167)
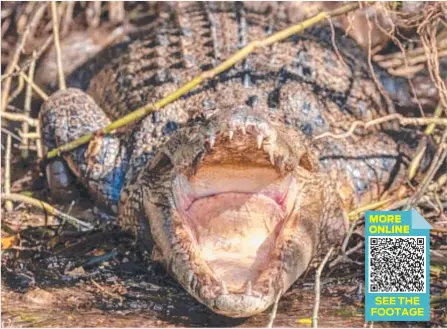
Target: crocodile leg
point(100, 165)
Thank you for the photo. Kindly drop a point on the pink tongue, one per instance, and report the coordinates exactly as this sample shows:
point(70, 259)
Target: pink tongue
point(235, 232)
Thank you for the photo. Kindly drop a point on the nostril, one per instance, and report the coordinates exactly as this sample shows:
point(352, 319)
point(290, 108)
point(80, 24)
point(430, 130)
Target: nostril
point(307, 163)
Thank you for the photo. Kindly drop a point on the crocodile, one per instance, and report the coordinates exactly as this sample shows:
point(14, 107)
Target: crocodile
point(228, 186)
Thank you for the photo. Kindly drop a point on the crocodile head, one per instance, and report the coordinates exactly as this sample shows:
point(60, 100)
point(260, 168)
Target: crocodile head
point(237, 208)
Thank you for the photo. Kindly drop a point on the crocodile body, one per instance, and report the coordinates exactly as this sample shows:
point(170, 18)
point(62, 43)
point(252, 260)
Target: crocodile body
point(194, 180)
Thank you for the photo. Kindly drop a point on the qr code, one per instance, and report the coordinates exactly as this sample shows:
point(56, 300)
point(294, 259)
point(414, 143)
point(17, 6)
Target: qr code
point(397, 264)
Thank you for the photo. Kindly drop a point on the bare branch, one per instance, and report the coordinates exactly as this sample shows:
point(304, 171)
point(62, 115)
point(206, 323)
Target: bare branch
point(57, 46)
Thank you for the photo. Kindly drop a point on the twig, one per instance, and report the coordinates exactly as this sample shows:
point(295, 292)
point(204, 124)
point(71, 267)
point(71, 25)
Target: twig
point(7, 184)
point(19, 117)
point(274, 310)
point(50, 209)
point(34, 135)
point(38, 143)
point(345, 243)
point(17, 91)
point(6, 131)
point(27, 63)
point(438, 111)
point(436, 163)
point(68, 18)
point(28, 99)
point(371, 206)
point(404, 121)
point(116, 11)
point(57, 46)
point(317, 288)
point(397, 59)
point(35, 87)
point(11, 66)
point(417, 159)
point(15, 59)
point(240, 55)
point(107, 292)
point(438, 300)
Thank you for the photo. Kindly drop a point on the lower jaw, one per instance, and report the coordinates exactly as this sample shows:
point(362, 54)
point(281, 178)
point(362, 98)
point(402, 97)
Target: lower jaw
point(240, 305)
point(236, 242)
point(206, 285)
point(208, 289)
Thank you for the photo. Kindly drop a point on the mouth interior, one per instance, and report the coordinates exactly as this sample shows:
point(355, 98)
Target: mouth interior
point(235, 214)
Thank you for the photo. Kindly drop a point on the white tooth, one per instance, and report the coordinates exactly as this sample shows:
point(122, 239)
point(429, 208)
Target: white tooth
point(259, 139)
point(272, 157)
point(248, 291)
point(212, 140)
point(270, 284)
point(243, 130)
point(230, 134)
point(189, 278)
point(257, 294)
point(282, 166)
point(224, 288)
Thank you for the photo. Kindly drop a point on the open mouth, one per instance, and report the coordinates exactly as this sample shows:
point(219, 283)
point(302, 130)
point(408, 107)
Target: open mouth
point(235, 214)
point(239, 220)
point(235, 209)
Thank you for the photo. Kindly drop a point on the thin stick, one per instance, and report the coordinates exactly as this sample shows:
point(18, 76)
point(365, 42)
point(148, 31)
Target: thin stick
point(274, 310)
point(436, 163)
point(111, 294)
point(35, 87)
point(28, 99)
point(345, 243)
point(17, 91)
point(404, 121)
point(7, 184)
point(15, 59)
point(39, 143)
point(19, 117)
point(240, 55)
point(57, 46)
point(6, 131)
point(317, 288)
point(11, 66)
point(80, 225)
point(68, 18)
point(429, 130)
point(27, 63)
point(33, 135)
point(371, 206)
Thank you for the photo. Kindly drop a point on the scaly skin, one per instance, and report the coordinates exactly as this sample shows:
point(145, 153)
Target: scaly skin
point(263, 113)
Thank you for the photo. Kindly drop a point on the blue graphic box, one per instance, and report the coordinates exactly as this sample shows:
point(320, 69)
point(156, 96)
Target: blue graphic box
point(380, 303)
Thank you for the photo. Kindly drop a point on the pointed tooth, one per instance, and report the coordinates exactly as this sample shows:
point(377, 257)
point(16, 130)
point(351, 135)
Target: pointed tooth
point(270, 284)
point(212, 140)
point(259, 139)
point(194, 283)
point(271, 157)
point(243, 130)
point(224, 288)
point(230, 134)
point(189, 278)
point(248, 291)
point(257, 294)
point(282, 166)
